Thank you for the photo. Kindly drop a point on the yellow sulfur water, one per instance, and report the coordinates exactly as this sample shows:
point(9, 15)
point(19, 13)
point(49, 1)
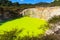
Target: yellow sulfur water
point(29, 26)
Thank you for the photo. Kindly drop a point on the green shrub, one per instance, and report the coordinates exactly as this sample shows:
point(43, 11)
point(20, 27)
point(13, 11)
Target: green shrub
point(25, 27)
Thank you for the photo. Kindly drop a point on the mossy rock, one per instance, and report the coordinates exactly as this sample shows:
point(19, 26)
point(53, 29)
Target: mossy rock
point(25, 26)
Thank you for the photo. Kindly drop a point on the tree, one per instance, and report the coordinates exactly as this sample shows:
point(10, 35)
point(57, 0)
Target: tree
point(16, 4)
point(5, 2)
point(56, 3)
point(42, 4)
point(9, 3)
point(56, 0)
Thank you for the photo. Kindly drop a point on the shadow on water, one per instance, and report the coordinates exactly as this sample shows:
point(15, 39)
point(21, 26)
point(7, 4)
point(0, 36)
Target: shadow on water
point(10, 19)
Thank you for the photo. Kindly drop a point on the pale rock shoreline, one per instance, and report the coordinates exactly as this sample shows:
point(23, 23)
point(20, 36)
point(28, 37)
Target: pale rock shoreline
point(44, 13)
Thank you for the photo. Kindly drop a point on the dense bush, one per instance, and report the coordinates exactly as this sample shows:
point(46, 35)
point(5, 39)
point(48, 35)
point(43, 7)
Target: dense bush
point(23, 28)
